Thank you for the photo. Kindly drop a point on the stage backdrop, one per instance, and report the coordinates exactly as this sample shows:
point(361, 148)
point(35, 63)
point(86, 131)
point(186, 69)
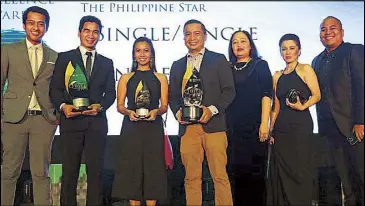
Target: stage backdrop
point(163, 22)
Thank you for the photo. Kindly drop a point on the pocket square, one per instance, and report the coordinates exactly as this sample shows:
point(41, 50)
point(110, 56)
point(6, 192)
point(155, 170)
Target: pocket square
point(50, 63)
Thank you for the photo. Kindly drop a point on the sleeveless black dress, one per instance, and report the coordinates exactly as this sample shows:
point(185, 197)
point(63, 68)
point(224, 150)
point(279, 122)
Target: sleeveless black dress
point(140, 172)
point(290, 179)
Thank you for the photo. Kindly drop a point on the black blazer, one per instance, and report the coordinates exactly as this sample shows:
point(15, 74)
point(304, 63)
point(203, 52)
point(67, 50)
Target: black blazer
point(245, 109)
point(217, 83)
point(346, 89)
point(101, 89)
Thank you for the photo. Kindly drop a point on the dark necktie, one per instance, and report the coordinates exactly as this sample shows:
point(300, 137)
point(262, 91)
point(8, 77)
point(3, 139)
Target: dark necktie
point(88, 64)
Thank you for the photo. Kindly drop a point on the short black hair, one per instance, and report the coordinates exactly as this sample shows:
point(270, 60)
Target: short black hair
point(39, 10)
point(153, 57)
point(293, 37)
point(254, 54)
point(89, 18)
point(332, 17)
point(194, 21)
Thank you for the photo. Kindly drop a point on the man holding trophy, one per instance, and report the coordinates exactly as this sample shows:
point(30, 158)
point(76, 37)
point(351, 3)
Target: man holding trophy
point(83, 88)
point(201, 88)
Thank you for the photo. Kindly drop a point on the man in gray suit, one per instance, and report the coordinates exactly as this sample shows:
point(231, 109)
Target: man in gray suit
point(28, 116)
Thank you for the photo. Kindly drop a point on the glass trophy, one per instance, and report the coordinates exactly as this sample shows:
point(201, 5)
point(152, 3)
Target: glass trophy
point(77, 87)
point(292, 95)
point(192, 97)
point(142, 100)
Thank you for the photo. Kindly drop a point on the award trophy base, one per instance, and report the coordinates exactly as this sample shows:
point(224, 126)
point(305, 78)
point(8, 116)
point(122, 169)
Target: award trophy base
point(142, 113)
point(81, 103)
point(192, 113)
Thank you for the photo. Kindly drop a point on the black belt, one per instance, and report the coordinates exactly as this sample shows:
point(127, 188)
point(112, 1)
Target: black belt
point(34, 112)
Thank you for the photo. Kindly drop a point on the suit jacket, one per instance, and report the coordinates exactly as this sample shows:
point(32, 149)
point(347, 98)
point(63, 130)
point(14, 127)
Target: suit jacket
point(346, 89)
point(16, 67)
point(218, 88)
point(101, 90)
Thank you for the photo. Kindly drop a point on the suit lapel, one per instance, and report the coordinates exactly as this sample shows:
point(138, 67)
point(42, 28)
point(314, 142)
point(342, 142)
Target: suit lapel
point(44, 60)
point(96, 66)
point(205, 61)
point(184, 63)
point(253, 66)
point(78, 60)
point(24, 50)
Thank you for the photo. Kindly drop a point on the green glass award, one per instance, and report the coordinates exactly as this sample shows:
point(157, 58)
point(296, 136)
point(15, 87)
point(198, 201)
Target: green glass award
point(77, 87)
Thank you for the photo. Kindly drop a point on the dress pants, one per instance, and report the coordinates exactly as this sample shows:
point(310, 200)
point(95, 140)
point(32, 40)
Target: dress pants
point(349, 163)
point(37, 133)
point(93, 142)
point(193, 144)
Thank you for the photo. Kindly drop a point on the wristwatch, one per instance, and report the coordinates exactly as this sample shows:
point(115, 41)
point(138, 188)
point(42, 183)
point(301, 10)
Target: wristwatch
point(101, 109)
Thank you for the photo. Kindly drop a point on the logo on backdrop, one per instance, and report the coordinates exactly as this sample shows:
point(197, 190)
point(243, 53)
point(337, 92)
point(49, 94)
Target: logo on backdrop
point(116, 7)
point(15, 14)
point(169, 33)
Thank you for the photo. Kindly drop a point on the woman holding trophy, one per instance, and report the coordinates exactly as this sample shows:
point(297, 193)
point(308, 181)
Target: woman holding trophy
point(296, 89)
point(140, 172)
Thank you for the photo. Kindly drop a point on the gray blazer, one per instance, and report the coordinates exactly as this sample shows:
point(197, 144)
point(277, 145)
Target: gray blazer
point(16, 67)
point(218, 88)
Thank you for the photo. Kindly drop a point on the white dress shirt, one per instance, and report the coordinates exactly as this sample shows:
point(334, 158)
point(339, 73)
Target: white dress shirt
point(83, 51)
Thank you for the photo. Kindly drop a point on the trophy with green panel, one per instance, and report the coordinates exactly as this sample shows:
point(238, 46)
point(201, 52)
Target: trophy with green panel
point(77, 87)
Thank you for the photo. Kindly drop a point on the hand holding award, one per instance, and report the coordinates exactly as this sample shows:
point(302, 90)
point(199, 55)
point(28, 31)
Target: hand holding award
point(295, 100)
point(142, 100)
point(77, 87)
point(192, 94)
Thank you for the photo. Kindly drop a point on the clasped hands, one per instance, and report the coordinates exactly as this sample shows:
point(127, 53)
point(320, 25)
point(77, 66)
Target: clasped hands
point(94, 109)
point(206, 116)
point(150, 116)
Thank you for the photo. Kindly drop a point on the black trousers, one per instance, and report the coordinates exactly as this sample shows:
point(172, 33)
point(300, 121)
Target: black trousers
point(247, 166)
point(93, 142)
point(349, 163)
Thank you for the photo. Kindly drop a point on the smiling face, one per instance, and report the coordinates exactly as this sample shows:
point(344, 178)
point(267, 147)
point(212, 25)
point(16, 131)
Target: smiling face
point(289, 51)
point(89, 35)
point(194, 37)
point(331, 34)
point(241, 46)
point(142, 53)
point(35, 27)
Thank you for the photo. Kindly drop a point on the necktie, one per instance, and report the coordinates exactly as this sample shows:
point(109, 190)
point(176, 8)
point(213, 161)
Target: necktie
point(35, 61)
point(33, 101)
point(88, 64)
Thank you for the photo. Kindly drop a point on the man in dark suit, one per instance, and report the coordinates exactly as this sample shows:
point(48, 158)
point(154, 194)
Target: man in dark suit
point(209, 134)
point(340, 70)
point(27, 114)
point(87, 129)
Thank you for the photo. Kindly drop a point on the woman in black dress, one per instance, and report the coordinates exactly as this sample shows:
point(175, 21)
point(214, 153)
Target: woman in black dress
point(291, 174)
point(140, 172)
point(248, 120)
